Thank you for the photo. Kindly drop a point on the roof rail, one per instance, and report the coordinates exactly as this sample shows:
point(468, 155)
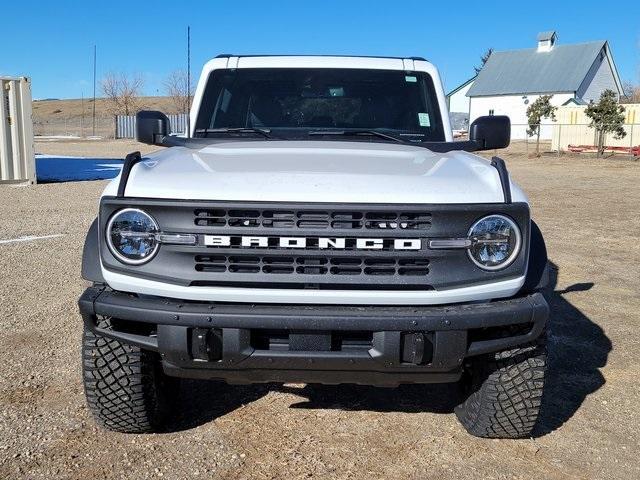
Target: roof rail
point(227, 55)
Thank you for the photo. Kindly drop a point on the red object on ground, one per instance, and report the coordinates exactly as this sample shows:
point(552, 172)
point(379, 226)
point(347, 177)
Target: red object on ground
point(635, 151)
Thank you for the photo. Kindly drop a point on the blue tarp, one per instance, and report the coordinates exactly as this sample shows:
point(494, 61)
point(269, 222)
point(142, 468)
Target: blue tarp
point(51, 168)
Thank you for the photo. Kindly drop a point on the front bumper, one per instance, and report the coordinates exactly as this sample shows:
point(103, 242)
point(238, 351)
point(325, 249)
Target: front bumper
point(373, 345)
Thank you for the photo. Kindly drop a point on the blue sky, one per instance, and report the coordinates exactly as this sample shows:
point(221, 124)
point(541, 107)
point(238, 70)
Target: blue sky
point(52, 42)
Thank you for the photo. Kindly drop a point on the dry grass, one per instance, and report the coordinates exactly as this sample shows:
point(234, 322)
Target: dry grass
point(74, 116)
point(72, 108)
point(587, 209)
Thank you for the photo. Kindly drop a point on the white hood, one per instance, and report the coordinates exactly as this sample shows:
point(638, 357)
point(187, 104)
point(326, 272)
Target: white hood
point(316, 171)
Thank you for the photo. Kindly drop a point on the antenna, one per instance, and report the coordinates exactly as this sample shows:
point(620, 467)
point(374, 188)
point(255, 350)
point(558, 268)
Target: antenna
point(94, 91)
point(189, 81)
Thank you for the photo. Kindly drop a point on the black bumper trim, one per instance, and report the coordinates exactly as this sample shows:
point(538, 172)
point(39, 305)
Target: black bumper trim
point(100, 301)
point(326, 377)
point(173, 320)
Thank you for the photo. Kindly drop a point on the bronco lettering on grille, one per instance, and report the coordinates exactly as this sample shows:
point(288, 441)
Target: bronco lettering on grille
point(322, 243)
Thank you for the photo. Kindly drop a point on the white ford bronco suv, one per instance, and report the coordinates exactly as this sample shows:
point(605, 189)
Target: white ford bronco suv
point(316, 224)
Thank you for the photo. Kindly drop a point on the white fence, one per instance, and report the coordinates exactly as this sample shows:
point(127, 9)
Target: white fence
point(126, 125)
point(567, 137)
point(17, 161)
point(580, 137)
point(58, 125)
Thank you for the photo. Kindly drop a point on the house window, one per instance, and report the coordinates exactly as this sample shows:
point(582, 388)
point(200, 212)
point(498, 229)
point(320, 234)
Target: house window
point(491, 111)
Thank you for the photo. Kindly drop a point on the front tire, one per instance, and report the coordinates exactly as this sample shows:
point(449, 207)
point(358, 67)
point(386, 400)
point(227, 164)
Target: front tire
point(505, 392)
point(125, 386)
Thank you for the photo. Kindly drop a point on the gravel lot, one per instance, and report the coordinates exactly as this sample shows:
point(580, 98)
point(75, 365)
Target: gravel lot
point(587, 209)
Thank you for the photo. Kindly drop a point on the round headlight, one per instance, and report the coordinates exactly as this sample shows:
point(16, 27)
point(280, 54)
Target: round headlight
point(132, 236)
point(495, 242)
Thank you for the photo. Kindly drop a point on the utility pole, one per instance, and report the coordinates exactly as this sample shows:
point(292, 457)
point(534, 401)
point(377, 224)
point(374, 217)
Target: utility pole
point(82, 116)
point(188, 80)
point(94, 91)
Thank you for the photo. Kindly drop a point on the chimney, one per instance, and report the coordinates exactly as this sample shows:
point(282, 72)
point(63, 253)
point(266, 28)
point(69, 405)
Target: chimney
point(546, 41)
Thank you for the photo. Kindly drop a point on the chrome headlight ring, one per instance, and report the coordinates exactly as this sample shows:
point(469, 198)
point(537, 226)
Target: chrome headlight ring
point(132, 236)
point(495, 240)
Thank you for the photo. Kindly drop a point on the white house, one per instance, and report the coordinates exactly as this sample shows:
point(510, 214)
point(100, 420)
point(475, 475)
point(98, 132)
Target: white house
point(458, 103)
point(511, 80)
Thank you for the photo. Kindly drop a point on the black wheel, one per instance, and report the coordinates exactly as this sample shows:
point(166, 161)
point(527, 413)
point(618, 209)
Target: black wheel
point(504, 392)
point(125, 387)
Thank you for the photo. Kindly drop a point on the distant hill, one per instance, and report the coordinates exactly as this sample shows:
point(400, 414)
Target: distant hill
point(49, 109)
point(74, 116)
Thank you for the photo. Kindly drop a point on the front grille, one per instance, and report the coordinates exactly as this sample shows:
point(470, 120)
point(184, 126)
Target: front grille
point(327, 246)
point(321, 265)
point(312, 219)
point(313, 265)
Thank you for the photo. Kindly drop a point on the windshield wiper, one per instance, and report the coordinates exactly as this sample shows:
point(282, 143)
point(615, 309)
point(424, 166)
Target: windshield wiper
point(260, 131)
point(347, 133)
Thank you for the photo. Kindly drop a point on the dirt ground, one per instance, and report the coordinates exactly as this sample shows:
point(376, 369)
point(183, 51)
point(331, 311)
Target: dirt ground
point(91, 148)
point(587, 209)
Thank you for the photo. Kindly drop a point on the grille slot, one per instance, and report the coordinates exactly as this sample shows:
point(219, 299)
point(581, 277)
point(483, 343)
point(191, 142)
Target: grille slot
point(210, 217)
point(278, 219)
point(286, 265)
point(211, 263)
point(312, 219)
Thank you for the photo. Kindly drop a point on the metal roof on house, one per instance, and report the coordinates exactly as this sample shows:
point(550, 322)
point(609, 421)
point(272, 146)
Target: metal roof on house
point(460, 87)
point(530, 71)
point(576, 101)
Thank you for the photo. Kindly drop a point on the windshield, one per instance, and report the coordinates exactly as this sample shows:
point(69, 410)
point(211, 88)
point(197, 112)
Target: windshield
point(294, 102)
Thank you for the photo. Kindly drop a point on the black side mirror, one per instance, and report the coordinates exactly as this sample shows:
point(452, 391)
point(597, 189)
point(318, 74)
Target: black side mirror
point(151, 127)
point(491, 132)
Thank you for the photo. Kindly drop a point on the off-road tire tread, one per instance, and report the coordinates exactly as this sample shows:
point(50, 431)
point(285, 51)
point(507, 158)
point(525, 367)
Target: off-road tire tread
point(506, 393)
point(122, 384)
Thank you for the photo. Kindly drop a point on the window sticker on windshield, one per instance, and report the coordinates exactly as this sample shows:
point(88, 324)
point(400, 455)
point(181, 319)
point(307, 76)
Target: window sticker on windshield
point(423, 119)
point(410, 78)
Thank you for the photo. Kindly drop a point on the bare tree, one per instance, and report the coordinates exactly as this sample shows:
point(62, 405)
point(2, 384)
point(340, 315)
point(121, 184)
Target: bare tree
point(177, 88)
point(483, 59)
point(630, 92)
point(122, 92)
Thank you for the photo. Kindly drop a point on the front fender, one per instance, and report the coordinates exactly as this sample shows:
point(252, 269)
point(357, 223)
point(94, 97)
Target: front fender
point(91, 269)
point(537, 278)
